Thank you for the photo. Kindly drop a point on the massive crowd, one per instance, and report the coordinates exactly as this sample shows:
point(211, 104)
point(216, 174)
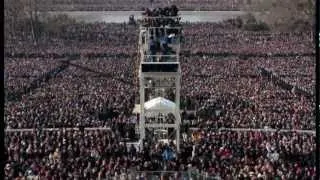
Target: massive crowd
point(95, 89)
point(199, 38)
point(92, 86)
point(210, 38)
point(20, 72)
point(302, 67)
point(98, 154)
point(78, 95)
point(246, 98)
point(80, 39)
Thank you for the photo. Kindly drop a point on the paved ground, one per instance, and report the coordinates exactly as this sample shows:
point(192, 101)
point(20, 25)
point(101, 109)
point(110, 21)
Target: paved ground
point(123, 16)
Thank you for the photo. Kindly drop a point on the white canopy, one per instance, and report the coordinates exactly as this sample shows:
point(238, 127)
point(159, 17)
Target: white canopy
point(160, 104)
point(136, 109)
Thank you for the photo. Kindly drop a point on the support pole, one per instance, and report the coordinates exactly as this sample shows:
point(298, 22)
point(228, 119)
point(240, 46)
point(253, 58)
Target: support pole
point(177, 98)
point(178, 117)
point(178, 137)
point(317, 109)
point(142, 118)
point(159, 72)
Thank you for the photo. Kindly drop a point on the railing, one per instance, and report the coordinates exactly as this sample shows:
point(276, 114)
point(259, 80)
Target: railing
point(157, 175)
point(263, 130)
point(179, 175)
point(58, 129)
point(161, 58)
point(193, 129)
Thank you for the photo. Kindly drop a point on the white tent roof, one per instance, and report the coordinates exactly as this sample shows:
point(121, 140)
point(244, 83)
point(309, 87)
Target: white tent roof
point(160, 104)
point(136, 109)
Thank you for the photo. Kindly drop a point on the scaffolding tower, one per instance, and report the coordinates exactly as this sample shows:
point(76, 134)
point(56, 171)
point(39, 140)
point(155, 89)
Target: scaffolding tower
point(159, 80)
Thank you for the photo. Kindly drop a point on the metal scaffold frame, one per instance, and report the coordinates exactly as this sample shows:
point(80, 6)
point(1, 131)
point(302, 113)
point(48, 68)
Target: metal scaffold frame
point(153, 98)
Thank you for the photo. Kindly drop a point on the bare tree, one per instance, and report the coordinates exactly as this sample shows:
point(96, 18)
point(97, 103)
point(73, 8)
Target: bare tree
point(284, 14)
point(20, 13)
point(31, 11)
point(12, 15)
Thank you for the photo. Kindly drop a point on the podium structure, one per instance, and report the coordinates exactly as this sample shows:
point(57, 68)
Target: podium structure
point(159, 79)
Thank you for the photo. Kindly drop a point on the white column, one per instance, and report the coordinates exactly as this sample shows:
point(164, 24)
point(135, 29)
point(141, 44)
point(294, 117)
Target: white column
point(178, 137)
point(177, 114)
point(177, 98)
point(142, 115)
point(178, 39)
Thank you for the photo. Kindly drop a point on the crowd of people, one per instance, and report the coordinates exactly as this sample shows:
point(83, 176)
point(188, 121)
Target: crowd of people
point(20, 72)
point(93, 86)
point(99, 154)
point(81, 94)
point(138, 5)
point(95, 89)
point(161, 17)
point(76, 39)
point(165, 32)
point(199, 38)
point(302, 67)
point(212, 39)
point(248, 99)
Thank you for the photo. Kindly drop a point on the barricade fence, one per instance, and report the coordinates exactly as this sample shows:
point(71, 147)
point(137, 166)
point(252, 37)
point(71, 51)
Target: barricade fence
point(58, 129)
point(171, 175)
point(155, 175)
point(193, 129)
